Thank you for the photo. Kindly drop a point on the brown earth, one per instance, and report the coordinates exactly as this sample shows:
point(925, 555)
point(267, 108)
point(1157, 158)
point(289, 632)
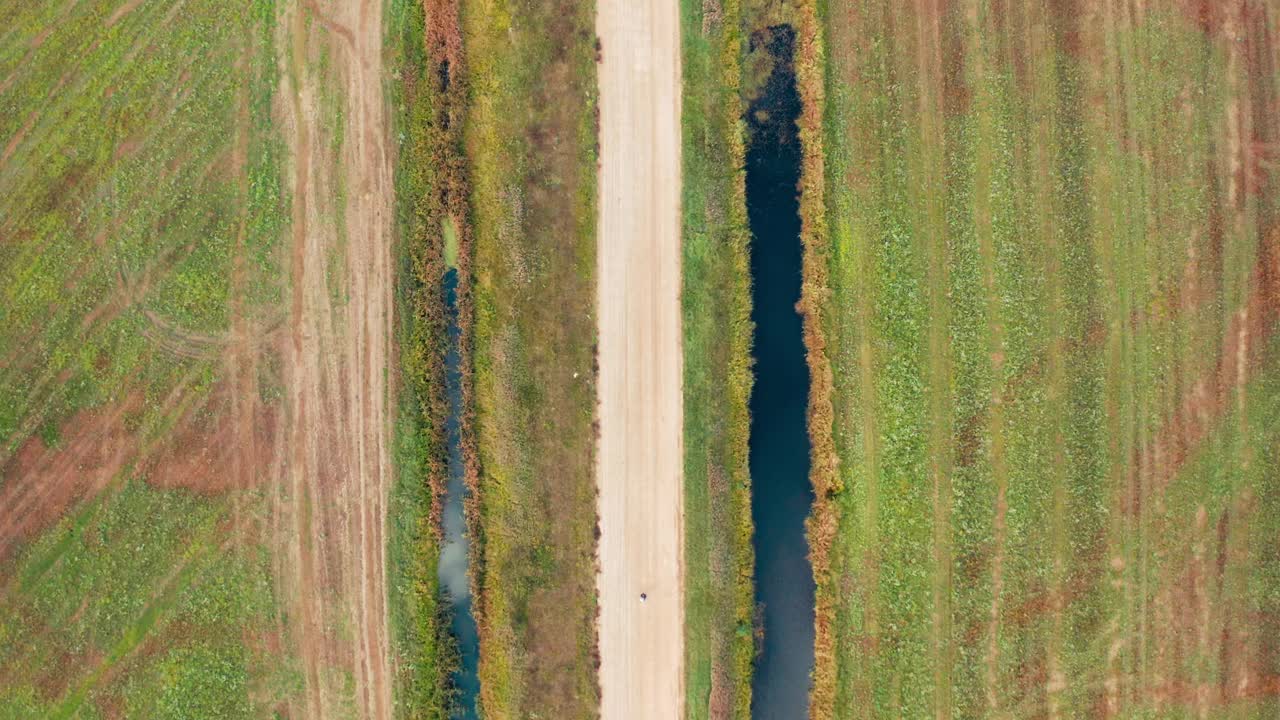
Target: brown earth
point(213, 451)
point(121, 11)
point(41, 483)
point(335, 472)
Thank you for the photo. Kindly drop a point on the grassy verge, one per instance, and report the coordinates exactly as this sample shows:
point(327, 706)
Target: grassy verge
point(820, 527)
point(1036, 259)
point(530, 140)
point(427, 94)
point(717, 337)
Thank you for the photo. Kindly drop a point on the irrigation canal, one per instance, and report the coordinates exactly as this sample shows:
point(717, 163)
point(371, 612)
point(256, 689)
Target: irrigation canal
point(779, 457)
point(454, 555)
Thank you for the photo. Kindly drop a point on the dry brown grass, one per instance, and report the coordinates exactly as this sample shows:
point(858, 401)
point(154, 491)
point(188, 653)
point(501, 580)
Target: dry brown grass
point(530, 143)
point(822, 524)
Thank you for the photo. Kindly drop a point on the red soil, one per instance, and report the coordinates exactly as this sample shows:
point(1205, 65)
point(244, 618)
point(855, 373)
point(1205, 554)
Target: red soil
point(41, 483)
point(205, 453)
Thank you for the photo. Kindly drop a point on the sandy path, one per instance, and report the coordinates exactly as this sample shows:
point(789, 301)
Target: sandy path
point(331, 522)
point(367, 342)
point(641, 441)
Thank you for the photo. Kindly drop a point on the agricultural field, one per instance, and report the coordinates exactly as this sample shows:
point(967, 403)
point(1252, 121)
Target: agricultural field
point(140, 215)
point(1041, 265)
point(196, 268)
point(224, 235)
point(302, 296)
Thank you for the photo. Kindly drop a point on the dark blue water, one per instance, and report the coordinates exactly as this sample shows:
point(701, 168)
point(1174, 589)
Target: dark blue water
point(452, 570)
point(779, 457)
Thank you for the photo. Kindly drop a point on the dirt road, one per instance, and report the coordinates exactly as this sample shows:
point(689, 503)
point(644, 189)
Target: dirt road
point(641, 430)
point(336, 469)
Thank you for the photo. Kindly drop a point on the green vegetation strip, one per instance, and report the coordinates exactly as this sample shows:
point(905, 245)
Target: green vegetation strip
point(120, 217)
point(430, 191)
point(138, 163)
point(717, 337)
point(135, 604)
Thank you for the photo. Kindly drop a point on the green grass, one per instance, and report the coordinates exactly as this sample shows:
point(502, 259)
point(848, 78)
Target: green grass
point(1013, 222)
point(119, 195)
point(140, 162)
point(717, 335)
point(530, 142)
point(419, 625)
point(132, 602)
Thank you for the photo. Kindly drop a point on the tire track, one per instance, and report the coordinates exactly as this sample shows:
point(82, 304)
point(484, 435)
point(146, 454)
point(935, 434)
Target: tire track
point(332, 515)
point(980, 28)
point(931, 100)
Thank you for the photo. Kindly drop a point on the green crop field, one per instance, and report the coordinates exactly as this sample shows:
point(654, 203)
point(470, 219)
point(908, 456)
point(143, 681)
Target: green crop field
point(150, 546)
point(1047, 293)
point(140, 205)
point(124, 208)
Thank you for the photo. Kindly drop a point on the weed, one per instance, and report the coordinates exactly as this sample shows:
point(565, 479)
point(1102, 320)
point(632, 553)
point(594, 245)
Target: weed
point(717, 336)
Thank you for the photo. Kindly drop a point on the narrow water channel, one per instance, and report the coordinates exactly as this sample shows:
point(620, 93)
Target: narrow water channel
point(779, 456)
point(452, 569)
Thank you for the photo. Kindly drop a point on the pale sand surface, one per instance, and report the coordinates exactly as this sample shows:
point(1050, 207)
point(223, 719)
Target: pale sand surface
point(641, 449)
